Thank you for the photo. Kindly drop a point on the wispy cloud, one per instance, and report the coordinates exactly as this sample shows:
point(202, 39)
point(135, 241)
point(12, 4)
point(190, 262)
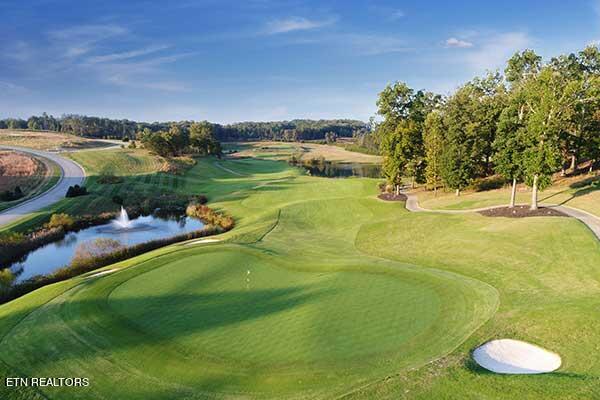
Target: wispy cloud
point(366, 44)
point(11, 87)
point(143, 74)
point(127, 80)
point(358, 44)
point(292, 24)
point(125, 55)
point(396, 14)
point(495, 49)
point(20, 51)
point(454, 42)
point(79, 40)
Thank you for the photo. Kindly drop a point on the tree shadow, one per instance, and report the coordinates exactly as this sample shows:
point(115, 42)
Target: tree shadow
point(138, 323)
point(584, 187)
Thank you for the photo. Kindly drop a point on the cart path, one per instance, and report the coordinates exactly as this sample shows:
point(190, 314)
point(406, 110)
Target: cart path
point(590, 220)
point(71, 173)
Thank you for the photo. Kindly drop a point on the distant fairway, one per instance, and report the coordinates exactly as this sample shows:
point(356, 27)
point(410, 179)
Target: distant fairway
point(346, 295)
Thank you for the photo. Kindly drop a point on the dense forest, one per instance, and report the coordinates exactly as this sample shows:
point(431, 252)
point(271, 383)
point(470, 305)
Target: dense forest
point(295, 130)
point(537, 119)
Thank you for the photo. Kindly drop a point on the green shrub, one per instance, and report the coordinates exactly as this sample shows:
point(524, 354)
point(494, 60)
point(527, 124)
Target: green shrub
point(61, 220)
point(11, 239)
point(74, 191)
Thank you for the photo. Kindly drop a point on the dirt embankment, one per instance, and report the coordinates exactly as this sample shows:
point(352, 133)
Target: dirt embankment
point(22, 170)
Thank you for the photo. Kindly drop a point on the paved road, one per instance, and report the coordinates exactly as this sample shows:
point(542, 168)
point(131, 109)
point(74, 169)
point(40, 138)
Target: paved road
point(71, 174)
point(590, 220)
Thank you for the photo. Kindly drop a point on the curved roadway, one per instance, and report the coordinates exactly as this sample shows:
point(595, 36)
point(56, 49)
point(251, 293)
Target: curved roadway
point(71, 174)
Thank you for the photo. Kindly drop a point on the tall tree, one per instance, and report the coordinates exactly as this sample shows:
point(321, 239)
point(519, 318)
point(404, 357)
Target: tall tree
point(461, 155)
point(433, 138)
point(202, 138)
point(548, 99)
point(509, 147)
point(400, 132)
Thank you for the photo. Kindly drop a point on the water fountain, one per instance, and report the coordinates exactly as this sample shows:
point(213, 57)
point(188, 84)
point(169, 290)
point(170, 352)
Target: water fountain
point(123, 221)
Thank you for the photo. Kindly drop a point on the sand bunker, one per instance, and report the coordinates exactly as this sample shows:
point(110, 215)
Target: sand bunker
point(101, 273)
point(200, 241)
point(508, 356)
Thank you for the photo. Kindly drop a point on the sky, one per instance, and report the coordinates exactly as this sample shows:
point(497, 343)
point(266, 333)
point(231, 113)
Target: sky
point(258, 60)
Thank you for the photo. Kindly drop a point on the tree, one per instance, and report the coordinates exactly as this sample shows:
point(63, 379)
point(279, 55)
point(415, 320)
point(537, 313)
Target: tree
point(460, 157)
point(202, 139)
point(509, 147)
point(400, 132)
point(548, 99)
point(522, 65)
point(433, 138)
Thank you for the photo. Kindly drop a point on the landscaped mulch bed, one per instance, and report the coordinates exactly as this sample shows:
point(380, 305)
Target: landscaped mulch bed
point(392, 197)
point(522, 212)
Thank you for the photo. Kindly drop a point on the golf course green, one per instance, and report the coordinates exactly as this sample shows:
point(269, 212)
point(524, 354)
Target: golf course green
point(321, 291)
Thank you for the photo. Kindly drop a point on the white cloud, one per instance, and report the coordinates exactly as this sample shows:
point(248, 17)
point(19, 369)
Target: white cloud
point(495, 49)
point(144, 74)
point(79, 40)
point(125, 55)
point(397, 14)
point(292, 24)
point(454, 42)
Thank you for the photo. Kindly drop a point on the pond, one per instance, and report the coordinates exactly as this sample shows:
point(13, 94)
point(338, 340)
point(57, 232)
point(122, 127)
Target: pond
point(331, 169)
point(54, 255)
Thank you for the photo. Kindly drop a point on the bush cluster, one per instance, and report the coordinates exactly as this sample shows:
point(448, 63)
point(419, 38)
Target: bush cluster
point(210, 216)
point(11, 195)
point(76, 190)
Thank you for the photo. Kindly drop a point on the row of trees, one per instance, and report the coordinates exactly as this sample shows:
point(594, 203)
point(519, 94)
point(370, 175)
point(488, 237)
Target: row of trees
point(536, 119)
point(295, 130)
point(198, 138)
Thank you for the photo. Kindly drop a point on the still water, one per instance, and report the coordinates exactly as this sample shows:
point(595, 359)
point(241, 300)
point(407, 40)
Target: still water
point(54, 255)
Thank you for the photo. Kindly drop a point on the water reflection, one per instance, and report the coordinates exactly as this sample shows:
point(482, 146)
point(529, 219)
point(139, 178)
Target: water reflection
point(52, 256)
point(331, 169)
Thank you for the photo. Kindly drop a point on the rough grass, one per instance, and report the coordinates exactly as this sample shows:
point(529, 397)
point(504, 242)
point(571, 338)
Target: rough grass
point(305, 151)
point(347, 295)
point(47, 140)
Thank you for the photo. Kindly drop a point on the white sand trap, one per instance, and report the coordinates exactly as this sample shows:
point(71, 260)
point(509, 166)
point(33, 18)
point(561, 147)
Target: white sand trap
point(200, 241)
point(105, 272)
point(508, 356)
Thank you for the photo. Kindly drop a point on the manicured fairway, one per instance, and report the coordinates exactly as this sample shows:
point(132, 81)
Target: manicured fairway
point(320, 291)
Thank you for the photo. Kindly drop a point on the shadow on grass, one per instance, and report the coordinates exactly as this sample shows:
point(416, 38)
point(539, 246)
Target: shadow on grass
point(584, 187)
point(141, 323)
point(475, 368)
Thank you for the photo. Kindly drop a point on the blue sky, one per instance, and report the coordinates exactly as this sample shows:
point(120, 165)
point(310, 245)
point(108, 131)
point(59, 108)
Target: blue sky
point(229, 61)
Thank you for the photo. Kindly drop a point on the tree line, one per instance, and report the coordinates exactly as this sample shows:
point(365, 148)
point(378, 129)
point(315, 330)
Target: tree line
point(535, 119)
point(96, 127)
point(176, 140)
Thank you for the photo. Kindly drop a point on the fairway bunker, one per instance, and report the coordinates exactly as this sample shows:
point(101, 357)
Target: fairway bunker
point(508, 356)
